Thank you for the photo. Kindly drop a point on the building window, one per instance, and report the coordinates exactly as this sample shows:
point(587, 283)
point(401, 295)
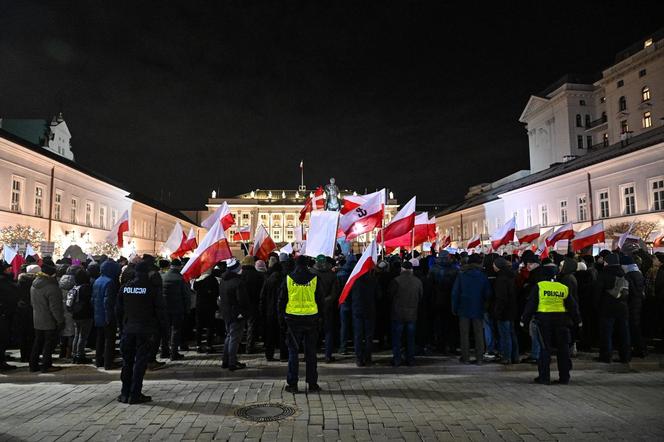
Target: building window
point(245, 217)
point(465, 231)
point(582, 204)
point(645, 93)
point(276, 220)
point(114, 216)
point(624, 127)
point(647, 43)
point(485, 226)
point(102, 217)
point(646, 121)
point(290, 235)
point(587, 121)
point(290, 220)
point(582, 102)
point(39, 201)
point(475, 228)
point(529, 217)
point(276, 235)
point(620, 83)
point(628, 199)
point(622, 103)
point(17, 194)
point(579, 141)
point(604, 119)
point(589, 141)
point(89, 210)
point(657, 193)
point(57, 205)
point(603, 200)
point(264, 219)
point(563, 212)
point(642, 73)
point(578, 120)
point(73, 211)
point(544, 215)
point(605, 140)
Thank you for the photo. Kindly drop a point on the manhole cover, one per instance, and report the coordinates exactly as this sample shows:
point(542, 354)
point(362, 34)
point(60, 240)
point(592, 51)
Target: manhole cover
point(265, 412)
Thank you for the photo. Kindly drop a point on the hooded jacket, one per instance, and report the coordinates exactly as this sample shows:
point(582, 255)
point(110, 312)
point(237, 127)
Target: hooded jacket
point(566, 276)
point(636, 291)
point(330, 288)
point(607, 305)
point(46, 300)
point(442, 275)
point(207, 290)
point(365, 293)
point(67, 283)
point(104, 294)
point(233, 298)
point(140, 308)
point(176, 293)
point(505, 306)
point(471, 292)
point(269, 298)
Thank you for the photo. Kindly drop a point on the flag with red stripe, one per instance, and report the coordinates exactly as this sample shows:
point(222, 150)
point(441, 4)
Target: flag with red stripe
point(366, 263)
point(213, 248)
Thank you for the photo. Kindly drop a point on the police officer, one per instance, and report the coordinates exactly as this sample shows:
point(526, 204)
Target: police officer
point(553, 307)
point(300, 301)
point(142, 315)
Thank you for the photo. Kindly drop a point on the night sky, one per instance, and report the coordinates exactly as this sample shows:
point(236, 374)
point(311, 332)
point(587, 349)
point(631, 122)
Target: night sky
point(183, 97)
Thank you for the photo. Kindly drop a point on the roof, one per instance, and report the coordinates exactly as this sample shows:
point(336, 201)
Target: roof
point(639, 142)
point(30, 129)
point(69, 163)
point(279, 197)
point(639, 46)
point(569, 78)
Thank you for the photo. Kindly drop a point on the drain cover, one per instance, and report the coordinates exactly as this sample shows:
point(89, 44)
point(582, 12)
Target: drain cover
point(265, 412)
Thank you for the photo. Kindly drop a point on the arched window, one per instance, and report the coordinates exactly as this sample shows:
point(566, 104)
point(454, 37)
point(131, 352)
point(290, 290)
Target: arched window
point(622, 103)
point(645, 93)
point(587, 120)
point(578, 120)
point(603, 117)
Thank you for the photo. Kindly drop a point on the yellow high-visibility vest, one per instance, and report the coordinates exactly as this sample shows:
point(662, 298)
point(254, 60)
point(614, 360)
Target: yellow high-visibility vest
point(302, 298)
point(552, 297)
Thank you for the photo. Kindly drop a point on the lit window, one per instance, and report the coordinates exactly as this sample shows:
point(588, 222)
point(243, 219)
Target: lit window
point(39, 201)
point(245, 216)
point(563, 212)
point(603, 198)
point(475, 228)
point(624, 127)
point(465, 231)
point(102, 217)
point(485, 227)
point(114, 216)
point(647, 43)
point(529, 217)
point(629, 200)
point(57, 206)
point(645, 93)
point(657, 195)
point(646, 121)
point(622, 103)
point(290, 235)
point(582, 204)
point(73, 215)
point(88, 213)
point(17, 194)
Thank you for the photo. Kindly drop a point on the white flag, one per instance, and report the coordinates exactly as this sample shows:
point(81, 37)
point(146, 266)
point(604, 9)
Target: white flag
point(322, 233)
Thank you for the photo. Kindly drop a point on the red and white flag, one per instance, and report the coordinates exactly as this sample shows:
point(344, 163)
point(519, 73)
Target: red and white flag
point(445, 242)
point(657, 239)
point(367, 261)
point(222, 215)
point(191, 242)
point(563, 232)
point(418, 234)
point(29, 251)
point(431, 229)
point(315, 202)
point(541, 249)
point(364, 218)
point(8, 254)
point(263, 244)
point(588, 237)
point(213, 248)
point(117, 231)
point(353, 201)
point(474, 242)
point(401, 224)
point(504, 235)
point(243, 234)
point(175, 241)
point(528, 235)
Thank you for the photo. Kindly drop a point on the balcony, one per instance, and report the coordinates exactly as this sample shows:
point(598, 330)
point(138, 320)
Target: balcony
point(596, 125)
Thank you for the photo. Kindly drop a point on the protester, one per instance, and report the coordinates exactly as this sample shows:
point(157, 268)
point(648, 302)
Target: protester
point(406, 292)
point(329, 286)
point(48, 316)
point(9, 296)
point(104, 294)
point(207, 290)
point(178, 298)
point(636, 283)
point(269, 311)
point(505, 310)
point(253, 281)
point(79, 303)
point(611, 300)
point(443, 274)
point(234, 307)
point(65, 275)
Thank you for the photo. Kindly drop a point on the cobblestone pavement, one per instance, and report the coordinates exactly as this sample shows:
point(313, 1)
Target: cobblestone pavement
point(438, 400)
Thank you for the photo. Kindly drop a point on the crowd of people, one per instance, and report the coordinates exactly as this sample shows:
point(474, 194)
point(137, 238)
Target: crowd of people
point(515, 305)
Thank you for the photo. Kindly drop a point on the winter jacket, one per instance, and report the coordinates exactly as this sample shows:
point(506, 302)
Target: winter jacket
point(607, 305)
point(233, 298)
point(207, 290)
point(365, 293)
point(330, 288)
point(636, 291)
point(9, 296)
point(566, 276)
point(442, 276)
point(268, 306)
point(176, 294)
point(406, 292)
point(505, 306)
point(46, 300)
point(85, 300)
point(301, 275)
point(471, 292)
point(67, 283)
point(254, 281)
point(343, 274)
point(140, 308)
point(571, 309)
point(104, 294)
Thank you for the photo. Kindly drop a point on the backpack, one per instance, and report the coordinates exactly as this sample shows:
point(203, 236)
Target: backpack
point(621, 288)
point(73, 301)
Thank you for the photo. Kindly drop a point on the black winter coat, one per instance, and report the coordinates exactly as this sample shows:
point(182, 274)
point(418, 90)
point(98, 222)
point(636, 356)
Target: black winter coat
point(176, 293)
point(329, 285)
point(268, 306)
point(85, 301)
point(253, 280)
point(636, 294)
point(365, 293)
point(505, 307)
point(233, 298)
point(607, 305)
point(207, 291)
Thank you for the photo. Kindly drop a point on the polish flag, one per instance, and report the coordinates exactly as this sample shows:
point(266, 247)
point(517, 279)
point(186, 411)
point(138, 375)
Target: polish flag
point(243, 234)
point(223, 215)
point(589, 236)
point(29, 251)
point(563, 232)
point(263, 244)
point(417, 235)
point(504, 235)
point(431, 229)
point(120, 227)
point(445, 242)
point(353, 201)
point(364, 218)
point(8, 254)
point(367, 261)
point(474, 242)
point(191, 242)
point(541, 249)
point(175, 241)
point(657, 239)
point(528, 235)
point(213, 248)
point(402, 224)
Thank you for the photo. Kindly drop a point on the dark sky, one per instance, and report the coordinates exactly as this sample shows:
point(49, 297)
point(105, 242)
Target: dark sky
point(185, 97)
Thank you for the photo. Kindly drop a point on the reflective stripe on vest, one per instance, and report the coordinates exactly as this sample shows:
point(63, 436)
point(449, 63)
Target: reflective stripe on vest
point(302, 298)
point(552, 297)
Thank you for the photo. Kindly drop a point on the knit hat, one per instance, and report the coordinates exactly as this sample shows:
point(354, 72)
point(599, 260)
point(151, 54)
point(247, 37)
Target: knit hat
point(502, 264)
point(283, 257)
point(49, 269)
point(475, 258)
point(612, 260)
point(233, 265)
point(260, 266)
point(176, 263)
point(321, 259)
point(406, 265)
point(531, 259)
point(143, 266)
point(164, 264)
point(581, 266)
point(247, 261)
point(34, 268)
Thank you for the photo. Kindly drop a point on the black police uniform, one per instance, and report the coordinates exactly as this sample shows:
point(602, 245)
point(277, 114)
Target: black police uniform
point(142, 315)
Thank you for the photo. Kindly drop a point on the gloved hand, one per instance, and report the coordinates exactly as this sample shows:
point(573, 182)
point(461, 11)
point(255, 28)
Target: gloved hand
point(521, 324)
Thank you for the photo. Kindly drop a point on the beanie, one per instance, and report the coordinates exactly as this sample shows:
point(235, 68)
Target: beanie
point(247, 261)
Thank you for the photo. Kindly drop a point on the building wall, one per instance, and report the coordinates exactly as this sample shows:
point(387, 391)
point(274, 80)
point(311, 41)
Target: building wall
point(34, 171)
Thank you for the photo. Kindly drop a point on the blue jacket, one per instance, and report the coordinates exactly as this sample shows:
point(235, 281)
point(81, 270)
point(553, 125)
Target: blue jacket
point(470, 293)
point(104, 294)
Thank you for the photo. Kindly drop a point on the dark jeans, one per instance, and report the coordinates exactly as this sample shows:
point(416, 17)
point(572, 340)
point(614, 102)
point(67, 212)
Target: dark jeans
point(204, 327)
point(82, 329)
point(478, 329)
point(136, 350)
point(509, 344)
point(175, 341)
point(5, 333)
point(307, 336)
point(329, 343)
point(44, 344)
point(232, 342)
point(345, 318)
point(252, 333)
point(105, 348)
point(363, 330)
point(274, 338)
point(397, 331)
point(553, 332)
point(607, 325)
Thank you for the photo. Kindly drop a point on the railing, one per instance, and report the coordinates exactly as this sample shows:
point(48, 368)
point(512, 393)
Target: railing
point(597, 122)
